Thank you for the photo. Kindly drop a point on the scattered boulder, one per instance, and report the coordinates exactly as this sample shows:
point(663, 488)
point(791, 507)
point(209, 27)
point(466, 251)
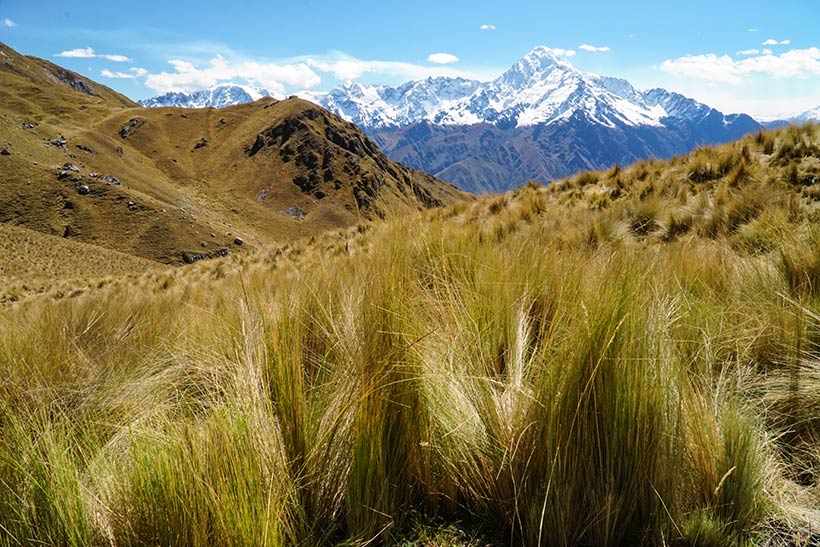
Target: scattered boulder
point(86, 149)
point(119, 151)
point(70, 167)
point(191, 257)
point(61, 142)
point(83, 190)
point(28, 126)
point(294, 212)
point(69, 231)
point(131, 204)
point(126, 129)
point(106, 178)
point(5, 152)
point(203, 142)
point(238, 241)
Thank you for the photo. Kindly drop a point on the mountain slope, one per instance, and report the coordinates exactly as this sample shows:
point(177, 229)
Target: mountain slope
point(541, 119)
point(175, 185)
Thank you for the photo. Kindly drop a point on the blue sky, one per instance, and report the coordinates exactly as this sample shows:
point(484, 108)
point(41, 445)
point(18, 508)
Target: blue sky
point(757, 57)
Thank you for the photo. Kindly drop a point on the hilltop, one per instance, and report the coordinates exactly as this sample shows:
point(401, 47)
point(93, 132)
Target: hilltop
point(82, 162)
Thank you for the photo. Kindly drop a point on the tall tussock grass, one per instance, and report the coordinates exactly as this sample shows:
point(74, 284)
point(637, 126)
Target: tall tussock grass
point(557, 368)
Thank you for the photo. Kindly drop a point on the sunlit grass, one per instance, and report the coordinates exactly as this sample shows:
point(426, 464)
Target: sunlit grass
point(542, 365)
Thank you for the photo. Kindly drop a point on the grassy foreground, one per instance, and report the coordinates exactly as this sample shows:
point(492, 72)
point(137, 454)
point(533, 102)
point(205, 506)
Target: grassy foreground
point(625, 358)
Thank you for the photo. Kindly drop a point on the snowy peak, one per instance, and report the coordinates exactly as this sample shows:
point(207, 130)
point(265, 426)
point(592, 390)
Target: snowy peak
point(809, 115)
point(537, 65)
point(218, 96)
point(541, 88)
point(384, 106)
point(676, 105)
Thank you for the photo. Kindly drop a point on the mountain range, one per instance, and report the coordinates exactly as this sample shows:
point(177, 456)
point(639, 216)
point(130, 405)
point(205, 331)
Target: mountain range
point(542, 119)
point(218, 96)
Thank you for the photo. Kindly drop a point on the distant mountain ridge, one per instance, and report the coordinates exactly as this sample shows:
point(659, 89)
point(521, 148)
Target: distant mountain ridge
point(542, 119)
point(540, 88)
point(219, 96)
point(782, 120)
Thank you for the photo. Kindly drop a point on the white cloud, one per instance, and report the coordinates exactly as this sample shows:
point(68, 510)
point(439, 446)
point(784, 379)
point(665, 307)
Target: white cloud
point(773, 42)
point(705, 67)
point(594, 49)
point(795, 63)
point(189, 77)
point(749, 52)
point(486, 27)
point(79, 53)
point(9, 23)
point(115, 58)
point(343, 67)
point(134, 74)
point(442, 58)
point(753, 30)
point(105, 73)
point(89, 53)
point(563, 52)
point(767, 52)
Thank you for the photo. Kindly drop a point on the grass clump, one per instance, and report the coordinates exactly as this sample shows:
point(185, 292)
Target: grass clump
point(527, 369)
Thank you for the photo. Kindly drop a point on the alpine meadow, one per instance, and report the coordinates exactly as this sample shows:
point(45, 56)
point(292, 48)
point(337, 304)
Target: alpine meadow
point(243, 324)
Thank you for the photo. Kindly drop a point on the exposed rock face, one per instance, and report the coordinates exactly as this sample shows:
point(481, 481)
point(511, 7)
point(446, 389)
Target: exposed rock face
point(294, 212)
point(333, 156)
point(71, 80)
point(129, 127)
point(189, 257)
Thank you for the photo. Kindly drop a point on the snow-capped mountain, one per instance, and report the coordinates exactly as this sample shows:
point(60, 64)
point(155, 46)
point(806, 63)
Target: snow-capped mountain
point(541, 119)
point(218, 97)
point(385, 106)
point(783, 120)
point(807, 116)
point(541, 88)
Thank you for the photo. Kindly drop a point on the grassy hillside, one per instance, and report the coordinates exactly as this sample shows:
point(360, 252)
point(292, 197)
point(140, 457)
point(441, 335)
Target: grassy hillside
point(83, 162)
point(622, 358)
point(34, 263)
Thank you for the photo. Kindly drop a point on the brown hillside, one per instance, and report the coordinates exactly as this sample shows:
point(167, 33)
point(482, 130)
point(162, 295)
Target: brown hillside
point(175, 185)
